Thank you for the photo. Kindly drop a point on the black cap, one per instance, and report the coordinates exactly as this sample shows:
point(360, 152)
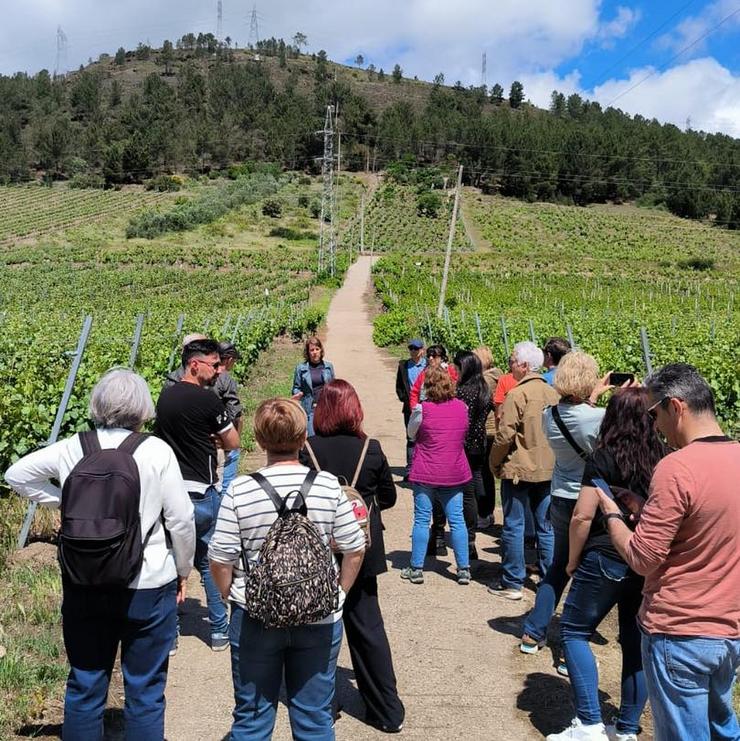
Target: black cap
point(227, 350)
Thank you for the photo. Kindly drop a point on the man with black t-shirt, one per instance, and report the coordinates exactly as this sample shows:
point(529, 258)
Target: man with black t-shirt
point(190, 418)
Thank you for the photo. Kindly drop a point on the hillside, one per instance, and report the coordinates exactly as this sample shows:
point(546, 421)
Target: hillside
point(200, 105)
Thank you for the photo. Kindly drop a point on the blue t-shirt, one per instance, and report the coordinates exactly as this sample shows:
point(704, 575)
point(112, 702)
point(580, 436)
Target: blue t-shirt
point(549, 375)
point(414, 369)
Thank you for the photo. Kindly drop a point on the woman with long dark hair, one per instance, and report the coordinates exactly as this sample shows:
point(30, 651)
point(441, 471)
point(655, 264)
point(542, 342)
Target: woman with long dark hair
point(339, 446)
point(310, 377)
point(475, 392)
point(627, 450)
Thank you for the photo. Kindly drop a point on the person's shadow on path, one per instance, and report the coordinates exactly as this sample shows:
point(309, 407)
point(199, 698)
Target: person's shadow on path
point(194, 620)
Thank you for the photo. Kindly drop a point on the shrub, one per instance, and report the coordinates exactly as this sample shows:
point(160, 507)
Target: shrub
point(304, 200)
point(315, 209)
point(428, 204)
point(697, 263)
point(164, 183)
point(272, 208)
point(87, 181)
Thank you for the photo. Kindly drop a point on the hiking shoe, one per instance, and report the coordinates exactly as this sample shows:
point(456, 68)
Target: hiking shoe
point(506, 592)
point(219, 641)
point(562, 668)
point(437, 546)
point(175, 646)
point(614, 735)
point(577, 731)
point(529, 645)
point(415, 576)
point(463, 576)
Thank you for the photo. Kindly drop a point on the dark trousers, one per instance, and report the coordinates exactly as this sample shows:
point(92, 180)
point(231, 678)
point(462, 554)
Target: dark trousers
point(371, 654)
point(409, 443)
point(487, 503)
point(94, 623)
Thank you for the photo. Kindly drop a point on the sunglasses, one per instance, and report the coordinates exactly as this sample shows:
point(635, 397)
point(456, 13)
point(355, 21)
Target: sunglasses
point(653, 410)
point(210, 365)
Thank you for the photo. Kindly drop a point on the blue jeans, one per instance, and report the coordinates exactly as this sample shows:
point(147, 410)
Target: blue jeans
point(231, 468)
point(599, 583)
point(514, 501)
point(451, 499)
point(206, 512)
point(94, 623)
point(551, 589)
point(690, 682)
point(259, 656)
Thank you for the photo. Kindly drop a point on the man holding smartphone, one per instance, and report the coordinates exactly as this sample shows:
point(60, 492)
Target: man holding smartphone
point(687, 546)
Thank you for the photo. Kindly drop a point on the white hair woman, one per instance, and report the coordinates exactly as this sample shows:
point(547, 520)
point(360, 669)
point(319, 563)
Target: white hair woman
point(138, 616)
point(522, 458)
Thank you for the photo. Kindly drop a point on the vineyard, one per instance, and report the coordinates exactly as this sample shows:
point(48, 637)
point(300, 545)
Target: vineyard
point(600, 273)
point(237, 278)
point(39, 210)
point(392, 222)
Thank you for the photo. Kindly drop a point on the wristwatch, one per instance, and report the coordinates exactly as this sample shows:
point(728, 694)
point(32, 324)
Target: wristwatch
point(614, 516)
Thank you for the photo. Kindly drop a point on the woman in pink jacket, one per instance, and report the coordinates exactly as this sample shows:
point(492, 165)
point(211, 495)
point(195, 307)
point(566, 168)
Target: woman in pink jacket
point(439, 469)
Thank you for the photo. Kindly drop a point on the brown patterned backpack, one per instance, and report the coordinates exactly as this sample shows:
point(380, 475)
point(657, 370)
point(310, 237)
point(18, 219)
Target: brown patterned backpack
point(294, 581)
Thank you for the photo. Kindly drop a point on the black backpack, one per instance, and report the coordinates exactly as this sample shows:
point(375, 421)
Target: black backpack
point(294, 581)
point(100, 542)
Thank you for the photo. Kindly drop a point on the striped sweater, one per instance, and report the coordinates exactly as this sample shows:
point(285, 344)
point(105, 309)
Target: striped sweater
point(247, 513)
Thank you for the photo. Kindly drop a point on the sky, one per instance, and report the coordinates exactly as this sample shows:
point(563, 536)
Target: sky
point(674, 60)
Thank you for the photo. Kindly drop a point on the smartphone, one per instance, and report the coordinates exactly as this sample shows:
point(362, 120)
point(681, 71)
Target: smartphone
point(601, 484)
point(618, 379)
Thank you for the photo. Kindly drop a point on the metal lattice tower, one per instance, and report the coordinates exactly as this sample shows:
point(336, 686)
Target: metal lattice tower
point(254, 29)
point(327, 235)
point(219, 19)
point(60, 66)
point(483, 71)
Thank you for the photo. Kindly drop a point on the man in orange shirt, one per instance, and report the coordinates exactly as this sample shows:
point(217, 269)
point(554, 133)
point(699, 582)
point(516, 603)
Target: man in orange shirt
point(687, 546)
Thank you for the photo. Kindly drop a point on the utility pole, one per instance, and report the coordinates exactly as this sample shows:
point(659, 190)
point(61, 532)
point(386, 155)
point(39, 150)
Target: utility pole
point(219, 19)
point(446, 270)
point(254, 29)
point(327, 240)
point(60, 66)
point(483, 74)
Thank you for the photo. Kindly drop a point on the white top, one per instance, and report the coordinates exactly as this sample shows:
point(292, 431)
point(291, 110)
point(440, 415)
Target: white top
point(162, 493)
point(247, 513)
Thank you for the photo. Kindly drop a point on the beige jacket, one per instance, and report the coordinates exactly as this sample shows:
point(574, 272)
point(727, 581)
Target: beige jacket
point(491, 377)
point(520, 449)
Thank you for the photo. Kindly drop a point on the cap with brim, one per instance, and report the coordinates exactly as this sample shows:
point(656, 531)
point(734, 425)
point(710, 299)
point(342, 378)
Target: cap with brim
point(227, 350)
point(416, 344)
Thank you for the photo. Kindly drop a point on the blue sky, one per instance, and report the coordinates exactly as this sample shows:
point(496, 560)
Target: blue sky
point(609, 50)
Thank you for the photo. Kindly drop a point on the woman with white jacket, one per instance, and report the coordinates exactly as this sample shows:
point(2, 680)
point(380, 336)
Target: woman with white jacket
point(139, 616)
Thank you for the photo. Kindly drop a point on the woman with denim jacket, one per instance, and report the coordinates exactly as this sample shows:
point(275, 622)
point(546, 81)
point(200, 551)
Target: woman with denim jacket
point(310, 377)
point(626, 452)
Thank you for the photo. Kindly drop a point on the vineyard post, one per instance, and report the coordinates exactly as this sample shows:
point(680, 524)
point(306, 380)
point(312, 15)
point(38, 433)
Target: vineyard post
point(178, 332)
point(531, 332)
point(646, 350)
point(61, 410)
point(569, 332)
point(429, 328)
point(136, 341)
point(206, 324)
point(673, 325)
point(238, 324)
point(711, 331)
point(448, 251)
point(226, 325)
point(477, 328)
point(505, 336)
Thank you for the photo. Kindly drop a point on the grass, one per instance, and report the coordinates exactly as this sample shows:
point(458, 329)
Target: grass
point(34, 667)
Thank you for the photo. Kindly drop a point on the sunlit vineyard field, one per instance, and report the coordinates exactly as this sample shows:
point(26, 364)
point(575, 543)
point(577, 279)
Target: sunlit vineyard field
point(38, 210)
point(599, 273)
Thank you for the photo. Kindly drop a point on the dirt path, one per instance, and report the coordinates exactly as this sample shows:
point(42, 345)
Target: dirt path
point(458, 669)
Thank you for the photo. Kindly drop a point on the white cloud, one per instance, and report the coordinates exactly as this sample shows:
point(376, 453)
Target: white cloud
point(618, 27)
point(702, 90)
point(690, 32)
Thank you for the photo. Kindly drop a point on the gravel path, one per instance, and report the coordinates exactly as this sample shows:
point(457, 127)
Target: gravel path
point(459, 673)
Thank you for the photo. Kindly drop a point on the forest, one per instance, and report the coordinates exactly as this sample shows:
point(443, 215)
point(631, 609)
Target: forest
point(200, 106)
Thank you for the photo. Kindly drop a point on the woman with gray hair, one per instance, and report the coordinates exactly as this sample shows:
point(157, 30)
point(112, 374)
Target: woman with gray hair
point(98, 614)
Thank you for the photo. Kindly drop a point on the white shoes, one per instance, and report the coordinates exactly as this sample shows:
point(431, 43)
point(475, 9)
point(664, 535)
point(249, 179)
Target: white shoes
point(614, 735)
point(577, 731)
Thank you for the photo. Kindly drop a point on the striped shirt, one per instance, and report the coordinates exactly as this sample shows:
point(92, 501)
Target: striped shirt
point(247, 513)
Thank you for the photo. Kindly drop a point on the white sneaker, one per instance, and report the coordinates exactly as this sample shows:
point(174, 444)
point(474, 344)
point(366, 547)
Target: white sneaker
point(577, 731)
point(614, 735)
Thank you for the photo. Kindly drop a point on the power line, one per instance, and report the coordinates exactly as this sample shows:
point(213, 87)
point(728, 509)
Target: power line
point(674, 57)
